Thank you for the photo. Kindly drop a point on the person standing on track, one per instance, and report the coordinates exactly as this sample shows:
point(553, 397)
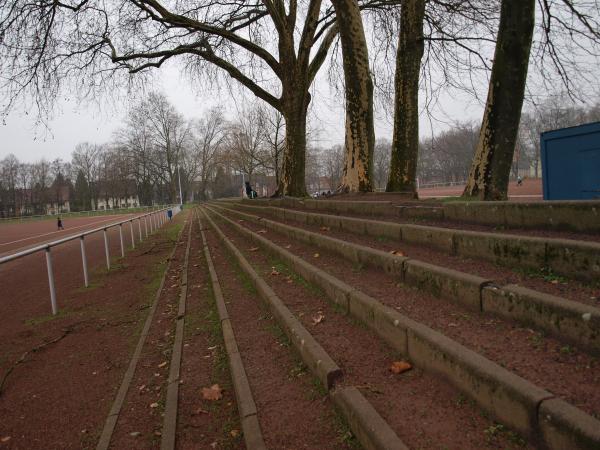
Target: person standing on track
point(59, 224)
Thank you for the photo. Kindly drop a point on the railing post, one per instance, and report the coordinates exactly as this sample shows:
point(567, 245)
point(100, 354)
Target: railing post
point(146, 225)
point(151, 223)
point(51, 281)
point(84, 262)
point(121, 239)
point(140, 228)
point(106, 250)
point(132, 236)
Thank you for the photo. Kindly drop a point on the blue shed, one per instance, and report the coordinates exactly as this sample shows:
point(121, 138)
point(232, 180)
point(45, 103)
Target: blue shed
point(571, 163)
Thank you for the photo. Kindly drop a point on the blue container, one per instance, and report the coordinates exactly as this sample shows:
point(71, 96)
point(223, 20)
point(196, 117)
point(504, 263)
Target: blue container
point(571, 163)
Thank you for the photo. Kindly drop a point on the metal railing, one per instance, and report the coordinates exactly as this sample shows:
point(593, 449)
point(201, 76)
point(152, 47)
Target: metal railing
point(152, 221)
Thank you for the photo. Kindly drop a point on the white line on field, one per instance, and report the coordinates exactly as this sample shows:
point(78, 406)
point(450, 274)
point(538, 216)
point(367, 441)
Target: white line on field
point(60, 231)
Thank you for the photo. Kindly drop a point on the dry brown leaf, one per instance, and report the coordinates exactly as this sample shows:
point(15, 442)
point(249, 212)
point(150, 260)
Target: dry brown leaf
point(253, 249)
point(288, 246)
point(234, 433)
point(5, 439)
point(162, 364)
point(200, 411)
point(400, 366)
point(262, 231)
point(318, 318)
point(153, 405)
point(212, 393)
point(274, 271)
point(316, 255)
point(289, 279)
point(324, 228)
point(397, 253)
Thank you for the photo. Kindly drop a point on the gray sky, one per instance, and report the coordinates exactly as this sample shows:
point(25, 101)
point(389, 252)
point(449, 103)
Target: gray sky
point(73, 123)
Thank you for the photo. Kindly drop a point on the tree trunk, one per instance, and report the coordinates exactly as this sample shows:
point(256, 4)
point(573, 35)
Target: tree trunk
point(295, 103)
point(490, 170)
point(360, 132)
point(405, 142)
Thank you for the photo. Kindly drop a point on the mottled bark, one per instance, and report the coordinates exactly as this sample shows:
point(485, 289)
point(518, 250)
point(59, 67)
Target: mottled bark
point(490, 170)
point(294, 109)
point(405, 142)
point(360, 132)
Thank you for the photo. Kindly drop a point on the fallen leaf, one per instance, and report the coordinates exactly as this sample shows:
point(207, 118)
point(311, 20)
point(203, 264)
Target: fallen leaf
point(324, 228)
point(214, 444)
point(134, 433)
point(212, 393)
point(400, 366)
point(153, 405)
point(262, 231)
point(212, 348)
point(200, 411)
point(5, 439)
point(234, 433)
point(554, 281)
point(253, 249)
point(318, 318)
point(162, 364)
point(274, 271)
point(142, 387)
point(397, 253)
point(316, 255)
point(289, 279)
point(288, 246)
point(157, 433)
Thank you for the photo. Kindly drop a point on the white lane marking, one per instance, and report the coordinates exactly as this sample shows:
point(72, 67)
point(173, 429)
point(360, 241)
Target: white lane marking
point(60, 231)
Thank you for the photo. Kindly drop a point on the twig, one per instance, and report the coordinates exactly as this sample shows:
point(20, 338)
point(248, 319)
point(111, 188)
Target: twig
point(148, 251)
point(33, 350)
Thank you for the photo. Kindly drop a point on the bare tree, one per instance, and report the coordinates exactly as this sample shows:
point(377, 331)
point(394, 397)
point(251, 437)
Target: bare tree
point(360, 131)
point(95, 44)
point(274, 141)
point(405, 142)
point(208, 136)
point(488, 177)
point(85, 158)
point(332, 160)
point(381, 163)
point(245, 141)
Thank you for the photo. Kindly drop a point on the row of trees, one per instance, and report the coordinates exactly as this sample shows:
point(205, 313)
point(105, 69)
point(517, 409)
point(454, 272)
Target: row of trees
point(212, 153)
point(155, 151)
point(275, 49)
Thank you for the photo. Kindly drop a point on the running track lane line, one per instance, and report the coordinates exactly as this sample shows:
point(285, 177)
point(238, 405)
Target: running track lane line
point(171, 404)
point(113, 415)
point(54, 232)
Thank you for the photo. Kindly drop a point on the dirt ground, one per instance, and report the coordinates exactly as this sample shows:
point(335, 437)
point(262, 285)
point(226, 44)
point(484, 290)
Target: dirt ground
point(59, 393)
point(59, 374)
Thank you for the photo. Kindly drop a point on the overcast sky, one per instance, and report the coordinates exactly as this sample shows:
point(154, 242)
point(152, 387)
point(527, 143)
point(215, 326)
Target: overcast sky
point(72, 123)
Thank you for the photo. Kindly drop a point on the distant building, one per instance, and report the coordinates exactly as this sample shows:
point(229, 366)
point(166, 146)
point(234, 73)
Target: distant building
point(121, 195)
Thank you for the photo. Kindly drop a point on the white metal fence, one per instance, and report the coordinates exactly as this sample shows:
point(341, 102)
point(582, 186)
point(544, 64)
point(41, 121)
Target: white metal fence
point(152, 221)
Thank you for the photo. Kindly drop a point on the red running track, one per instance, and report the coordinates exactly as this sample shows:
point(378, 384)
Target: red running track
point(24, 292)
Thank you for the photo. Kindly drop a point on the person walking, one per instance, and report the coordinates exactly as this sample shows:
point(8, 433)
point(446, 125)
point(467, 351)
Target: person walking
point(59, 224)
